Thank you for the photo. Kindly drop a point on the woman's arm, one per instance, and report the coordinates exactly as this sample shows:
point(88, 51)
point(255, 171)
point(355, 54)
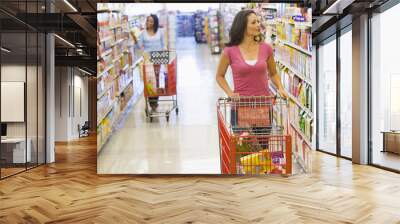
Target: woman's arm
point(220, 76)
point(138, 42)
point(276, 79)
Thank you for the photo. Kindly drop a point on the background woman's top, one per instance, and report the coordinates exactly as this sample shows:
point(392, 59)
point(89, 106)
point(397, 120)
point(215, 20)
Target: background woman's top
point(250, 80)
point(151, 43)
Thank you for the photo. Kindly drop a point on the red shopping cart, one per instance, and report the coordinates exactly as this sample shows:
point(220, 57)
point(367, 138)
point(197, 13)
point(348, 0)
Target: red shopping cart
point(252, 136)
point(159, 75)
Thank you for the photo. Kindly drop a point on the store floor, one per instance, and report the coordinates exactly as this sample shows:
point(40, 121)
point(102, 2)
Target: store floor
point(188, 144)
point(70, 191)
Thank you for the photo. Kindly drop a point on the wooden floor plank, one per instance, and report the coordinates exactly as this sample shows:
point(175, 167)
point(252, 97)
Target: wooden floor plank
point(70, 191)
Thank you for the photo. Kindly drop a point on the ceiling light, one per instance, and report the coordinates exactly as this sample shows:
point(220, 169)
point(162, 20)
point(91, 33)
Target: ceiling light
point(5, 50)
point(65, 41)
point(86, 72)
point(338, 6)
point(70, 5)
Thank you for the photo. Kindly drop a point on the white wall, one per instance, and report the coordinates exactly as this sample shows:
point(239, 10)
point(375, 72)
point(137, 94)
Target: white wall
point(61, 103)
point(69, 85)
point(33, 127)
point(12, 73)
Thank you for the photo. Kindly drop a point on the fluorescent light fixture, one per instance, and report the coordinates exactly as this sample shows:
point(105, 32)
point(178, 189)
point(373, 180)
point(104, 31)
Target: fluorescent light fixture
point(5, 50)
point(338, 6)
point(86, 72)
point(65, 41)
point(70, 5)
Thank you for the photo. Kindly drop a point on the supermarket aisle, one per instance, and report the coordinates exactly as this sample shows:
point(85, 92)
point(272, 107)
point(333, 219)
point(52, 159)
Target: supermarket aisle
point(189, 142)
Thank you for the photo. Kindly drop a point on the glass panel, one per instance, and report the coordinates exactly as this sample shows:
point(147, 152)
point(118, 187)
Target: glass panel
point(41, 99)
point(385, 89)
point(13, 77)
point(327, 97)
point(31, 101)
point(346, 94)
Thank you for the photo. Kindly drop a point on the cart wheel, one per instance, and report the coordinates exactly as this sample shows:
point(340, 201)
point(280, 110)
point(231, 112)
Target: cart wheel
point(167, 116)
point(177, 111)
point(147, 112)
point(151, 119)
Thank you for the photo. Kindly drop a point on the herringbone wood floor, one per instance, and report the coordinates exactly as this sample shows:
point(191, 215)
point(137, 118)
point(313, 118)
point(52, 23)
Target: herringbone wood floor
point(70, 191)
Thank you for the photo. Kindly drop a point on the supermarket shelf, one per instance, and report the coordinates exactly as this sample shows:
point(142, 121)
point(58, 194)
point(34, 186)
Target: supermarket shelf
point(300, 161)
point(300, 24)
point(106, 113)
point(105, 90)
point(105, 53)
point(124, 88)
point(137, 62)
point(106, 38)
point(105, 70)
point(116, 26)
point(125, 67)
point(118, 58)
point(295, 72)
point(104, 142)
point(122, 115)
point(117, 42)
point(304, 138)
point(294, 99)
point(309, 53)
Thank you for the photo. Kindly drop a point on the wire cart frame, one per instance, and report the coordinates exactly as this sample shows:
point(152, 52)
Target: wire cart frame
point(252, 136)
point(166, 61)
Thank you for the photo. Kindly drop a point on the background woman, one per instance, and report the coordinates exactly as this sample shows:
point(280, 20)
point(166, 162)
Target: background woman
point(152, 39)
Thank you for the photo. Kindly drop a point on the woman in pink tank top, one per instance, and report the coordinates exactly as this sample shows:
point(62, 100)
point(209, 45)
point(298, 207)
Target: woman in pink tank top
point(251, 60)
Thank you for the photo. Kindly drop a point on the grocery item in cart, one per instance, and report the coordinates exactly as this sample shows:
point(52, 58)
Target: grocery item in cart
point(256, 163)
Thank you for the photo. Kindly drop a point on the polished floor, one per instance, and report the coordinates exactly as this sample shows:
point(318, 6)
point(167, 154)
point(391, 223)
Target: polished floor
point(188, 143)
point(70, 191)
point(386, 159)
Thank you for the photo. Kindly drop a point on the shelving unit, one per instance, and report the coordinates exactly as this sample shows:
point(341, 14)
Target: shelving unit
point(199, 26)
point(185, 25)
point(214, 31)
point(118, 80)
point(288, 29)
point(228, 12)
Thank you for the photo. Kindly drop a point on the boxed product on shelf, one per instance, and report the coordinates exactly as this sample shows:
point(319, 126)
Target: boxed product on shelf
point(213, 29)
point(199, 26)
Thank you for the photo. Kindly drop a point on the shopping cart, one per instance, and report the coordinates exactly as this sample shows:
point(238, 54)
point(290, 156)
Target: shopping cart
point(159, 75)
point(253, 136)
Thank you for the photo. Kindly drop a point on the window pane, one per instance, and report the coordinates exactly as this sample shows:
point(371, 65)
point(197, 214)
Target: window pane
point(346, 94)
point(327, 97)
point(385, 89)
point(13, 80)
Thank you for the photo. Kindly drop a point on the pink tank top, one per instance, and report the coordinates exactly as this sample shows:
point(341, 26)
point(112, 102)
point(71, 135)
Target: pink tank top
point(250, 80)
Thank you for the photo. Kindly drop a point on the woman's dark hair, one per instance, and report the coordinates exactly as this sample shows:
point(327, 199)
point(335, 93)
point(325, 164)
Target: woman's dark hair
point(155, 24)
point(239, 24)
